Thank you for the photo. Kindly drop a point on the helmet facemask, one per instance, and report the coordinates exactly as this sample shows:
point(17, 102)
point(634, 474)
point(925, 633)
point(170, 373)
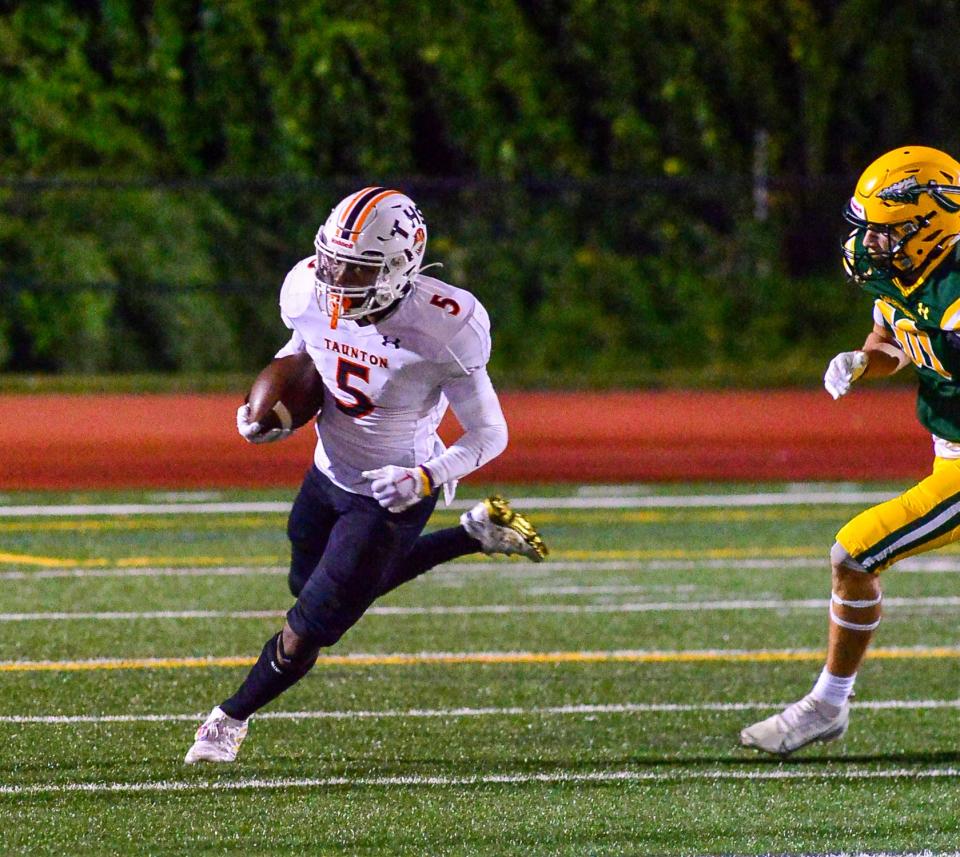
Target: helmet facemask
point(351, 289)
point(880, 250)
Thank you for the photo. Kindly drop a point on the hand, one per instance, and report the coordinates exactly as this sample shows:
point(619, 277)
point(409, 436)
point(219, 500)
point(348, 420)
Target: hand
point(843, 370)
point(398, 488)
point(251, 431)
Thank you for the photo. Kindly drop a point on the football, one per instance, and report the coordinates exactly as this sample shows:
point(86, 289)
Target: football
point(292, 381)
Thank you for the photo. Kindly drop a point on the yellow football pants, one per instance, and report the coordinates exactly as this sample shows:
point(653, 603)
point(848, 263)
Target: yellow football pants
point(924, 517)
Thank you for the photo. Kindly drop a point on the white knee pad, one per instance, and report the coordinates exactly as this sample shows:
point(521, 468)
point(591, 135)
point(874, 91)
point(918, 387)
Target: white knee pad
point(840, 556)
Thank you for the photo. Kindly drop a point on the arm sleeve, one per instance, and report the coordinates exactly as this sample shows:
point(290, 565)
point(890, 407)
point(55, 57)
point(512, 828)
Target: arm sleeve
point(476, 406)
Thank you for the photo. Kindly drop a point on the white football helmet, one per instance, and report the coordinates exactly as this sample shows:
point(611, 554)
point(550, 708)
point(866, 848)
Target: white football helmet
point(368, 251)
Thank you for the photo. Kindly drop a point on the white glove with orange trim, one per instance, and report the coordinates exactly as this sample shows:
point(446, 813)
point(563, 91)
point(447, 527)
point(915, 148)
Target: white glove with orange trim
point(398, 488)
point(843, 370)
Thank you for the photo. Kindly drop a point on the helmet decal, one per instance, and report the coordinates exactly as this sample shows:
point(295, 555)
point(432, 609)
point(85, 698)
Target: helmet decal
point(908, 191)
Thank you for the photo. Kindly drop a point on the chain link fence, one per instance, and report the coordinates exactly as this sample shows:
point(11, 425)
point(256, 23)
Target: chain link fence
point(601, 282)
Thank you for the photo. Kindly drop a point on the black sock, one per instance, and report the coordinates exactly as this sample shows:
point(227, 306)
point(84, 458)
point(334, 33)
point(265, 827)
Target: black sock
point(428, 551)
point(268, 678)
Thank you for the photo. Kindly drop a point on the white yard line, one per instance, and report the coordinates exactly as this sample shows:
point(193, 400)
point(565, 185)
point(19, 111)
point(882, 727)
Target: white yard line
point(608, 589)
point(664, 775)
point(218, 571)
point(127, 509)
point(506, 711)
point(939, 602)
point(664, 501)
point(922, 565)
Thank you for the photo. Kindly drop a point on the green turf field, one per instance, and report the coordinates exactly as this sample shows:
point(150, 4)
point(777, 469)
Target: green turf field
point(587, 705)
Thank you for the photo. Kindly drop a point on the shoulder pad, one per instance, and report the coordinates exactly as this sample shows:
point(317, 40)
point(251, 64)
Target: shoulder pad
point(950, 320)
point(470, 348)
point(462, 331)
point(442, 323)
point(445, 309)
point(298, 288)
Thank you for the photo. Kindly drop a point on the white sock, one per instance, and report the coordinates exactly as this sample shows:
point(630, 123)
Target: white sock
point(833, 689)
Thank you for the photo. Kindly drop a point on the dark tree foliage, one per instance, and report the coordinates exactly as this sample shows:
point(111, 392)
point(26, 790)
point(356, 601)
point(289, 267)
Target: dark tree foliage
point(634, 188)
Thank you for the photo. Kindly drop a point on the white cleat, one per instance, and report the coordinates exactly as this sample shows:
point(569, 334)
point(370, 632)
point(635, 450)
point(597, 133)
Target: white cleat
point(218, 739)
point(797, 726)
point(500, 529)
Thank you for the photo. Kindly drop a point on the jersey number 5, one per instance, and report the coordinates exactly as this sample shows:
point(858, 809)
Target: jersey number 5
point(362, 404)
point(448, 304)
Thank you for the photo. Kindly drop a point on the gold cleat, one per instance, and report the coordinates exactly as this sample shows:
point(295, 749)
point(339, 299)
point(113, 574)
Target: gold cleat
point(500, 529)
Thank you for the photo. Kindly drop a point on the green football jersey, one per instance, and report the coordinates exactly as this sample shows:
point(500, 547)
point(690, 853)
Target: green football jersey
point(926, 323)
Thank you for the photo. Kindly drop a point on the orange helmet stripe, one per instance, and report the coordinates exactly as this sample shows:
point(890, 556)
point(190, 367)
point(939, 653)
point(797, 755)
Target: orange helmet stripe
point(365, 213)
point(353, 209)
point(353, 201)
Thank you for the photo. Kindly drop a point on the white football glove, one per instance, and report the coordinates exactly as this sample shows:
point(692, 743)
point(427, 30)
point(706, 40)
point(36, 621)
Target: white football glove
point(398, 488)
point(843, 370)
point(250, 431)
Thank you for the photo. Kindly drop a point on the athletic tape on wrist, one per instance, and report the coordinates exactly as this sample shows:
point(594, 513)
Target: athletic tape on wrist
point(836, 599)
point(425, 481)
point(852, 626)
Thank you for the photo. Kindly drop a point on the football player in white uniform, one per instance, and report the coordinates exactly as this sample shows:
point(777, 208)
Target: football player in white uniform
point(394, 348)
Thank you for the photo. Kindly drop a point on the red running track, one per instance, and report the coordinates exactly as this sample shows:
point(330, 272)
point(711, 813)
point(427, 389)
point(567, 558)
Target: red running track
point(189, 441)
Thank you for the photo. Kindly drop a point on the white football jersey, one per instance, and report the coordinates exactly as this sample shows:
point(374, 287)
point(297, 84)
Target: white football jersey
point(385, 380)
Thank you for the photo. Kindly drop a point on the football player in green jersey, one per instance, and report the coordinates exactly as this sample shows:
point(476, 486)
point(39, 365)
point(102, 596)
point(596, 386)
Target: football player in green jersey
point(903, 250)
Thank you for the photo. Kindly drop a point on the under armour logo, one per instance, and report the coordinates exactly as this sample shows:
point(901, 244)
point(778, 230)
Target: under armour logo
point(395, 342)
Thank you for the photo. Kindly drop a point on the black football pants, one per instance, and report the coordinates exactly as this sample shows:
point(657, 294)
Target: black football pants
point(346, 550)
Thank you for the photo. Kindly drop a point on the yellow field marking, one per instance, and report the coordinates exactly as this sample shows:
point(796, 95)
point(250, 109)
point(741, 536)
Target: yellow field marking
point(568, 517)
point(247, 560)
point(146, 561)
point(361, 660)
point(190, 561)
point(809, 551)
point(731, 553)
point(692, 516)
point(44, 561)
point(127, 524)
point(706, 553)
point(140, 561)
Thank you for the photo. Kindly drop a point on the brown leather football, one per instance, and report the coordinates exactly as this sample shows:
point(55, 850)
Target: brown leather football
point(292, 381)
